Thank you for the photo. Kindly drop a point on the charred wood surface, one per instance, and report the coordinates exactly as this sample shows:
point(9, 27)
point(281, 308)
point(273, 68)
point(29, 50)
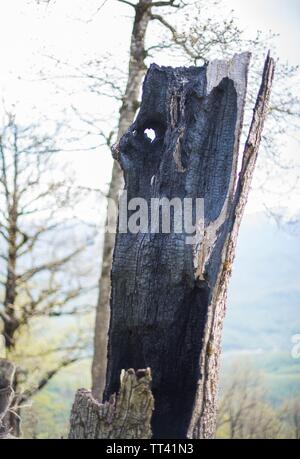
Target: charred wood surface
point(168, 297)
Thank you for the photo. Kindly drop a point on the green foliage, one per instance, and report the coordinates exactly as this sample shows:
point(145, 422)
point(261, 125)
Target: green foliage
point(47, 416)
point(247, 409)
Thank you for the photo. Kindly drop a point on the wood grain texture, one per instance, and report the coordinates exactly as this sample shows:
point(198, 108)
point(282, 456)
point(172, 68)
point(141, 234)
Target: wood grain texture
point(126, 415)
point(203, 421)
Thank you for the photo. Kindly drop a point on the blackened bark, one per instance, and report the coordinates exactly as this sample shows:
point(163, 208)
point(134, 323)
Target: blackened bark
point(168, 297)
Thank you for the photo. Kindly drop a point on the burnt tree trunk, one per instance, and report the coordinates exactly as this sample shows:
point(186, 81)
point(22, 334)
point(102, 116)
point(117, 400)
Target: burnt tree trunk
point(168, 297)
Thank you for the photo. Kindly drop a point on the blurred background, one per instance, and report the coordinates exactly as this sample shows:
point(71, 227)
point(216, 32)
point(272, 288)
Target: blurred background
point(63, 74)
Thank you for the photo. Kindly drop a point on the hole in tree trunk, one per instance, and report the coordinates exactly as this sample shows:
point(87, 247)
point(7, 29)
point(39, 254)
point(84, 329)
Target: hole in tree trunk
point(150, 134)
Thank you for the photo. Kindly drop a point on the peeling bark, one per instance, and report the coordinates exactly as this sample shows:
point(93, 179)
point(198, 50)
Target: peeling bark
point(126, 415)
point(7, 372)
point(168, 298)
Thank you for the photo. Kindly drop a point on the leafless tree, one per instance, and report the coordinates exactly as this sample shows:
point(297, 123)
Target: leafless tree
point(290, 413)
point(43, 272)
point(243, 410)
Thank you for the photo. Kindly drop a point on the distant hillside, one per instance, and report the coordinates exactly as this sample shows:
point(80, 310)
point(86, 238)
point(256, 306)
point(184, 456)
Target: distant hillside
point(264, 294)
point(264, 303)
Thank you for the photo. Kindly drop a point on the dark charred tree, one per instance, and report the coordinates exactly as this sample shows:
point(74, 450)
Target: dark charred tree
point(168, 297)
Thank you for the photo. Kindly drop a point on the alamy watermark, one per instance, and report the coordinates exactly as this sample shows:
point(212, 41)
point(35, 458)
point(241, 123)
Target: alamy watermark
point(158, 215)
point(295, 352)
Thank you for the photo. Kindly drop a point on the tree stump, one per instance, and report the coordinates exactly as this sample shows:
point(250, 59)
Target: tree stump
point(168, 297)
point(126, 415)
point(7, 372)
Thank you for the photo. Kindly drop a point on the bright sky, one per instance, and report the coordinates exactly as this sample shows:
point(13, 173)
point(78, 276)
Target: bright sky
point(280, 16)
point(29, 32)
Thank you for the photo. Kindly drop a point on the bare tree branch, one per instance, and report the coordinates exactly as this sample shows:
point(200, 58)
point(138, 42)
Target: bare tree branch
point(127, 3)
point(51, 266)
point(46, 378)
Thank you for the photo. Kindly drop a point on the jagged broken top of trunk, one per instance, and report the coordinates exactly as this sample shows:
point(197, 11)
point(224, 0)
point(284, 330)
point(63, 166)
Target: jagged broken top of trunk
point(195, 115)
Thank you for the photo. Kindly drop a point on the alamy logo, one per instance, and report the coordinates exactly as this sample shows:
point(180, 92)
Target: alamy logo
point(180, 216)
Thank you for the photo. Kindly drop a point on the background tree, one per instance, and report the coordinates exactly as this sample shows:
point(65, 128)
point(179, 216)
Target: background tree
point(291, 414)
point(245, 409)
point(7, 370)
point(43, 269)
